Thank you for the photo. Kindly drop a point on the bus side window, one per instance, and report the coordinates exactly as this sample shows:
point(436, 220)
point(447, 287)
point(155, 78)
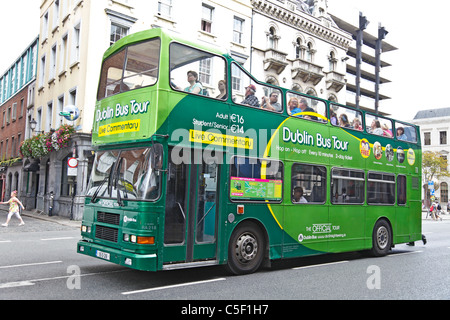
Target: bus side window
point(306, 108)
point(197, 72)
point(345, 117)
point(247, 91)
point(308, 183)
point(347, 186)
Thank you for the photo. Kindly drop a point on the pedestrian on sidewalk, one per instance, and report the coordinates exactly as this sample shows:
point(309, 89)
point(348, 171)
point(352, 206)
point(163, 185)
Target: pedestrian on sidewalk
point(14, 209)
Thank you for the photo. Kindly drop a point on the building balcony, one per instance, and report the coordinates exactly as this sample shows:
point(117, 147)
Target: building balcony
point(276, 60)
point(307, 71)
point(335, 80)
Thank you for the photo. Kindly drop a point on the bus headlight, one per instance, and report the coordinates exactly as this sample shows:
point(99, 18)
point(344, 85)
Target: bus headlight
point(85, 229)
point(138, 239)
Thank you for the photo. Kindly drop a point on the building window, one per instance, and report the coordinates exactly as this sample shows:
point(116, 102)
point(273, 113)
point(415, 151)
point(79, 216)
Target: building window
point(117, 33)
point(205, 71)
point(67, 182)
point(272, 38)
point(207, 17)
point(63, 54)
point(120, 25)
point(238, 30)
point(427, 138)
point(52, 63)
point(444, 192)
point(236, 76)
point(76, 44)
point(310, 52)
point(165, 7)
point(443, 137)
point(42, 73)
point(298, 49)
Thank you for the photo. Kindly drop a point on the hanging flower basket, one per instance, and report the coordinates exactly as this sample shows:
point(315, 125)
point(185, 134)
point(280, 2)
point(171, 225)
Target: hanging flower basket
point(44, 143)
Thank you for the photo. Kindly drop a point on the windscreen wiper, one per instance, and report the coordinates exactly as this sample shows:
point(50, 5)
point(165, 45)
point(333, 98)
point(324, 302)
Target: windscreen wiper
point(95, 195)
point(108, 178)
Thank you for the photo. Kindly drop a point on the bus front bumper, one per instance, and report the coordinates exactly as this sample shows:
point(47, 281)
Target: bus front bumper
point(144, 262)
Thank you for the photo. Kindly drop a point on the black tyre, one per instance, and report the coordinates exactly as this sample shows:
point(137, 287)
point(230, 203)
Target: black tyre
point(246, 249)
point(381, 238)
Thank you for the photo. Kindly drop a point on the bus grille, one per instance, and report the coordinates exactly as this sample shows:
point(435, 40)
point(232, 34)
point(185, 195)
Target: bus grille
point(105, 233)
point(109, 218)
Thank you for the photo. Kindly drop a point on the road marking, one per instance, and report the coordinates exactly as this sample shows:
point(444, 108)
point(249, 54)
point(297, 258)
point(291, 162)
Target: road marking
point(319, 265)
point(27, 283)
point(402, 254)
point(56, 239)
point(16, 284)
point(174, 286)
point(6, 241)
point(30, 264)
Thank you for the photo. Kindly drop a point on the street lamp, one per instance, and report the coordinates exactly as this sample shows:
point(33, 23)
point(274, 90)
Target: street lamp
point(33, 124)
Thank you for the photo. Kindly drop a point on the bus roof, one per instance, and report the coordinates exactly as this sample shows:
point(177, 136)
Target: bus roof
point(164, 34)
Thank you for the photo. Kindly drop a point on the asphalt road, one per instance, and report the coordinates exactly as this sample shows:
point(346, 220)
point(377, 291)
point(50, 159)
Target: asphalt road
point(39, 261)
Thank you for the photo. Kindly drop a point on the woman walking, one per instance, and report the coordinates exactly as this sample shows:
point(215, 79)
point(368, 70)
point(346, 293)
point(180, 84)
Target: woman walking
point(13, 209)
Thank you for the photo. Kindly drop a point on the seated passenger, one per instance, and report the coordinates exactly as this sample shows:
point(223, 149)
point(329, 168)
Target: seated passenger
point(343, 121)
point(357, 124)
point(250, 98)
point(194, 86)
point(293, 106)
point(298, 196)
point(376, 128)
point(223, 90)
point(303, 105)
point(271, 103)
point(401, 134)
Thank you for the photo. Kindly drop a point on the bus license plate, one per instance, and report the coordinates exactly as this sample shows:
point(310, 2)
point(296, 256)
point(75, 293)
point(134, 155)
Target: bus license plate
point(103, 255)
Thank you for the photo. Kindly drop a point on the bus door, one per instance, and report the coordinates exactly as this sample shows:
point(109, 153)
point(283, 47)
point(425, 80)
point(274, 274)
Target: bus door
point(191, 211)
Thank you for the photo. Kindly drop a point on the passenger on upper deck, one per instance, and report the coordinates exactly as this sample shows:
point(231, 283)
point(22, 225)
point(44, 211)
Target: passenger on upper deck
point(222, 85)
point(271, 103)
point(250, 98)
point(376, 128)
point(194, 86)
point(401, 134)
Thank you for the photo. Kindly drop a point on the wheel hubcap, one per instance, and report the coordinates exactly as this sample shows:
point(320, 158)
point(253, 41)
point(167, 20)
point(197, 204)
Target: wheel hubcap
point(246, 248)
point(382, 237)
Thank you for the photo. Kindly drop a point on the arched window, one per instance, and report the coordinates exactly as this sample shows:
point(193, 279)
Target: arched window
point(272, 37)
point(332, 61)
point(298, 49)
point(310, 52)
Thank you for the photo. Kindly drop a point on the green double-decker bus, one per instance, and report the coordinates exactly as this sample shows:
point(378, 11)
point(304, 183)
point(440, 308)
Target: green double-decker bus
point(198, 163)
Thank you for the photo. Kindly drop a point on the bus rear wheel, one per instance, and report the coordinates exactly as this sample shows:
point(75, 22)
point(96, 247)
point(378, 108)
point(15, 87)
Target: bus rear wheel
point(381, 238)
point(246, 249)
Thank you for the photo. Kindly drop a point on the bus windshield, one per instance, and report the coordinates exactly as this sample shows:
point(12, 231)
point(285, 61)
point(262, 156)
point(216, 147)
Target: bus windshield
point(132, 68)
point(127, 174)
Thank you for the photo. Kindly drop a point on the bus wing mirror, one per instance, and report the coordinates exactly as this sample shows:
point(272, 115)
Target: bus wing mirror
point(157, 157)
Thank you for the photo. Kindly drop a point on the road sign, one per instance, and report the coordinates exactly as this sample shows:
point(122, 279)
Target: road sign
point(72, 165)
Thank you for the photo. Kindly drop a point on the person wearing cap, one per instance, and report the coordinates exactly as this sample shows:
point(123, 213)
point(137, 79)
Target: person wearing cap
point(250, 98)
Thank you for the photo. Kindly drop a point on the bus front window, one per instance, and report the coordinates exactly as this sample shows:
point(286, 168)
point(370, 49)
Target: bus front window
point(126, 175)
point(134, 67)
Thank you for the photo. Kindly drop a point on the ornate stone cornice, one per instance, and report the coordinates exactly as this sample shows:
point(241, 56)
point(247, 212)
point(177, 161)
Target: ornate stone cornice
point(304, 22)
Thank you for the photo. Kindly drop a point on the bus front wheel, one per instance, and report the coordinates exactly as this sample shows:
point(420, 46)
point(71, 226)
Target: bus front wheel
point(381, 238)
point(246, 249)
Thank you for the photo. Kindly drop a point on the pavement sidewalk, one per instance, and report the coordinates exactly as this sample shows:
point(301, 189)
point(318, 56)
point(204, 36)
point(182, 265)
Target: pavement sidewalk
point(65, 221)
